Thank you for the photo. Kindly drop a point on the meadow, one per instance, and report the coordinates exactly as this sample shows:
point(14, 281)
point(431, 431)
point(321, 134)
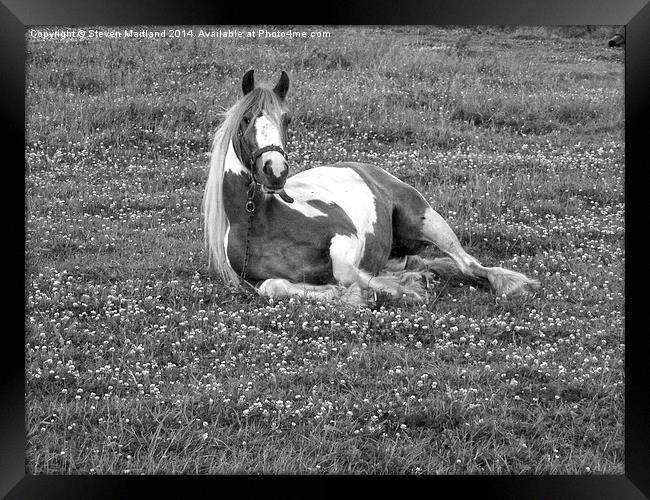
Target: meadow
point(140, 361)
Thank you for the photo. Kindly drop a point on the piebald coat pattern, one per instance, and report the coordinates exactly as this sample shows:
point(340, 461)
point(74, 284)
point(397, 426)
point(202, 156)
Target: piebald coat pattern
point(351, 227)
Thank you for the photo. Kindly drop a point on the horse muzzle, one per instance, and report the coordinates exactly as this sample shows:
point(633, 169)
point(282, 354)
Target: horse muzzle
point(274, 173)
point(271, 169)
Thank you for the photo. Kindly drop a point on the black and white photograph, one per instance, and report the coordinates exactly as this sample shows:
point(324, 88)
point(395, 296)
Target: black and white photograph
point(326, 250)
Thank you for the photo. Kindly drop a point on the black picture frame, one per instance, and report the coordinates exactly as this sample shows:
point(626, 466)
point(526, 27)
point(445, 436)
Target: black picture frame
point(15, 16)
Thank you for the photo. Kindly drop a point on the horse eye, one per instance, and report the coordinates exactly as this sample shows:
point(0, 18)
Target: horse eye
point(287, 119)
point(247, 120)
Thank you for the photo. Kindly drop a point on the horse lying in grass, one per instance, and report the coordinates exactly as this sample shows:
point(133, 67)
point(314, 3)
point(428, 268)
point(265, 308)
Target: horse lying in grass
point(343, 230)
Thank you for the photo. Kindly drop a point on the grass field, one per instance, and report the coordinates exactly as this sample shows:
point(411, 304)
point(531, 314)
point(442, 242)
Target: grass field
point(138, 360)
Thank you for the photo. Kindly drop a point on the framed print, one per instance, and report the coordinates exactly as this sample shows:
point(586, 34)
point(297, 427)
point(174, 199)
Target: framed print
point(383, 247)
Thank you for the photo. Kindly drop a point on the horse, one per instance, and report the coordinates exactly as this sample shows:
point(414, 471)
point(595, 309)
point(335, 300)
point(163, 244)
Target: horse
point(347, 230)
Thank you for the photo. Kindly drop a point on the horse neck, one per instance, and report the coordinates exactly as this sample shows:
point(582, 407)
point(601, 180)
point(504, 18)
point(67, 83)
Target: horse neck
point(236, 182)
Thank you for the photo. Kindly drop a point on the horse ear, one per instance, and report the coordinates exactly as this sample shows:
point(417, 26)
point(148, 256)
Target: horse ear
point(248, 82)
point(282, 86)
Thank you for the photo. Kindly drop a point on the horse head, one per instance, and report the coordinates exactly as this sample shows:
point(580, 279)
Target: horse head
point(262, 133)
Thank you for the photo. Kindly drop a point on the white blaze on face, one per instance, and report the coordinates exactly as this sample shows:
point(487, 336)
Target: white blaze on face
point(267, 134)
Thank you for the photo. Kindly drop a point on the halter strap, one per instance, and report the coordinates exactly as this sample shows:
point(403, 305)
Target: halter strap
point(259, 152)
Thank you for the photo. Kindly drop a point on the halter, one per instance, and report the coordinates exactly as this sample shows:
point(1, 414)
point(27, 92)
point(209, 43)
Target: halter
point(260, 151)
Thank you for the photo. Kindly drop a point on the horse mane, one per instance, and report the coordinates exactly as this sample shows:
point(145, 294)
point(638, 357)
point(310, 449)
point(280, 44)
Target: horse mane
point(215, 222)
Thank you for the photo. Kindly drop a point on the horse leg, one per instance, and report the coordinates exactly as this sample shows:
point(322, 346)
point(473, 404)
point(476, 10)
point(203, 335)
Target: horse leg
point(344, 252)
point(278, 288)
point(416, 264)
point(503, 281)
point(442, 266)
point(281, 288)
